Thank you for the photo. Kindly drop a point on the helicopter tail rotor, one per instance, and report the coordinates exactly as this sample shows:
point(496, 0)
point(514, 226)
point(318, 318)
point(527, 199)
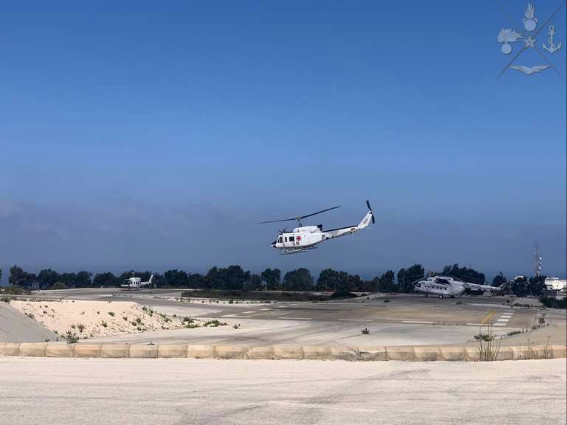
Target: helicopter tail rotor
point(370, 209)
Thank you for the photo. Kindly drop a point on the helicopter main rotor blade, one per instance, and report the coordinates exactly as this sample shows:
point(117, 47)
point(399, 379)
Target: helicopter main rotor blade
point(299, 217)
point(277, 221)
point(318, 212)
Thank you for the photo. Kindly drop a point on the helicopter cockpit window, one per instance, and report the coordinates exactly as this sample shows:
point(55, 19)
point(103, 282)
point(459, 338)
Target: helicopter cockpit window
point(280, 239)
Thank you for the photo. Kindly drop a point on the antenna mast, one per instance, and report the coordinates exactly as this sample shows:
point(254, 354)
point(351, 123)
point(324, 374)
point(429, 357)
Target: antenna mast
point(537, 260)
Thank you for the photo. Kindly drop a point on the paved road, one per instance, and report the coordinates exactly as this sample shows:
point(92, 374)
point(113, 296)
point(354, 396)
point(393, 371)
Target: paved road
point(17, 327)
point(184, 391)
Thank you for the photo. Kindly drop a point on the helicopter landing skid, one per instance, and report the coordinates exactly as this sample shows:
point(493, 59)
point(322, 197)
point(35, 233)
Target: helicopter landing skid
point(289, 251)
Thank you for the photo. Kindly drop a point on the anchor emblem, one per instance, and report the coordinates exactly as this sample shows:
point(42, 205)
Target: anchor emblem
point(552, 48)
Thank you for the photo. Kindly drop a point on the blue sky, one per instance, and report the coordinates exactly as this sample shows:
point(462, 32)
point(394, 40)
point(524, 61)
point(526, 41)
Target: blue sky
point(157, 134)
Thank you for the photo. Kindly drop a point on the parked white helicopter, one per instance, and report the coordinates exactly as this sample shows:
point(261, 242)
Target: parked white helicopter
point(446, 286)
point(135, 283)
point(303, 238)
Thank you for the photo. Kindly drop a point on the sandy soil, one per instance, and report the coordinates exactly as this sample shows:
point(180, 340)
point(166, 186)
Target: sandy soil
point(89, 319)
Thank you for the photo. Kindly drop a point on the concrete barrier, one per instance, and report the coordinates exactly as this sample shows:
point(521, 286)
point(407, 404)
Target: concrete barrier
point(349, 354)
point(33, 349)
point(288, 352)
point(201, 351)
point(427, 354)
point(277, 352)
point(9, 349)
point(316, 353)
point(87, 350)
point(559, 351)
point(473, 354)
point(405, 354)
point(505, 353)
point(115, 351)
point(143, 351)
point(260, 353)
point(61, 349)
point(453, 354)
point(228, 352)
point(372, 354)
point(172, 351)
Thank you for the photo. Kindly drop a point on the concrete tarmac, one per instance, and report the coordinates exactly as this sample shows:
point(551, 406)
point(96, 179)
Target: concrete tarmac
point(17, 327)
point(183, 391)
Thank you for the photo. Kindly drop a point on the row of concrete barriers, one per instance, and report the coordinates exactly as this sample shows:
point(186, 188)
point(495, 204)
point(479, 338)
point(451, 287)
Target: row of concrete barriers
point(276, 352)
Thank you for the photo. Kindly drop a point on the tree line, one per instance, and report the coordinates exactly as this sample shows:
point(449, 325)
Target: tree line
point(235, 278)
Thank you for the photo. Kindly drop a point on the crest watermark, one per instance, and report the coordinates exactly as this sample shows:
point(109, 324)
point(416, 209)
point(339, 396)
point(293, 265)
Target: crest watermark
point(526, 39)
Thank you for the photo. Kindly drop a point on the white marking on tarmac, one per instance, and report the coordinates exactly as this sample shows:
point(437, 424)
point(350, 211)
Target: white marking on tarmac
point(418, 322)
point(231, 315)
point(354, 320)
point(248, 312)
point(489, 305)
point(500, 324)
point(295, 318)
point(475, 324)
point(265, 309)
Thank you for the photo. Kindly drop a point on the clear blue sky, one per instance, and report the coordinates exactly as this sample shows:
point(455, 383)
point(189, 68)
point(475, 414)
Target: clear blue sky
point(157, 134)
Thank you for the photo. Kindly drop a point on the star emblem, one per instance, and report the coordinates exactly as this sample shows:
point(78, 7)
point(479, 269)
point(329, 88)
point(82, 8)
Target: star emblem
point(529, 42)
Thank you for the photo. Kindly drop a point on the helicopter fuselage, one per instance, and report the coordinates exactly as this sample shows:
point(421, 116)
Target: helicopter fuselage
point(303, 238)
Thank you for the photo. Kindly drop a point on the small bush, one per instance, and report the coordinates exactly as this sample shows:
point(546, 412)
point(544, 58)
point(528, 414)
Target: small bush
point(6, 299)
point(138, 320)
point(81, 327)
point(386, 301)
point(484, 337)
point(125, 318)
point(104, 324)
point(214, 323)
point(73, 326)
point(14, 290)
point(30, 315)
point(71, 337)
point(111, 313)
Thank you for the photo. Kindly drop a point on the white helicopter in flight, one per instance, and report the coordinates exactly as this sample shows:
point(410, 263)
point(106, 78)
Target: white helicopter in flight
point(446, 286)
point(303, 238)
point(135, 283)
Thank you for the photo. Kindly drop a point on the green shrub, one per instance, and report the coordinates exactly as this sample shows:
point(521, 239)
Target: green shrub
point(214, 323)
point(71, 337)
point(554, 302)
point(104, 324)
point(111, 313)
point(59, 285)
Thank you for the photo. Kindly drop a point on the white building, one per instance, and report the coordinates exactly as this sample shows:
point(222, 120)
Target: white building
point(555, 284)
